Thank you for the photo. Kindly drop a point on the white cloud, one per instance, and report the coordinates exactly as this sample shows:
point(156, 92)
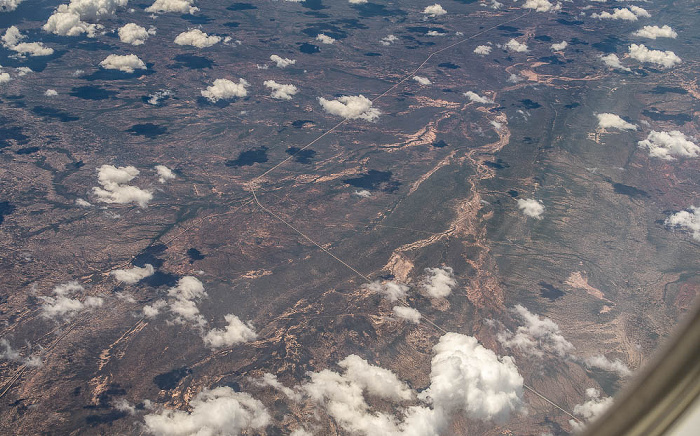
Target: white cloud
point(559, 46)
point(434, 10)
point(224, 89)
point(75, 18)
point(627, 14)
point(236, 332)
point(133, 34)
point(83, 203)
point(12, 40)
point(219, 411)
point(50, 93)
point(351, 106)
point(282, 62)
point(13, 355)
point(482, 49)
point(183, 298)
point(516, 46)
point(591, 409)
point(515, 78)
point(158, 96)
point(133, 275)
point(667, 145)
point(665, 59)
point(61, 306)
point(530, 207)
point(473, 96)
point(375, 380)
point(602, 362)
point(653, 32)
point(435, 33)
point(178, 6)
point(280, 91)
point(115, 189)
point(613, 61)
point(324, 39)
point(407, 313)
point(363, 193)
point(9, 5)
point(271, 380)
point(4, 77)
point(164, 173)
point(357, 2)
point(152, 310)
point(439, 282)
point(422, 80)
point(23, 71)
point(392, 291)
point(542, 5)
point(125, 63)
point(536, 336)
point(388, 40)
point(612, 121)
point(688, 219)
point(196, 38)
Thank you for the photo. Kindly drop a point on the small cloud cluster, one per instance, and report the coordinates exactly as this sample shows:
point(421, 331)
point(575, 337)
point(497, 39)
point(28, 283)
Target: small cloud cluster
point(50, 93)
point(280, 91)
point(653, 32)
point(536, 336)
point(407, 313)
point(531, 207)
point(476, 98)
point(542, 5)
point(236, 332)
point(388, 40)
point(9, 5)
point(559, 46)
point(115, 189)
point(177, 6)
point(164, 173)
point(591, 409)
point(13, 355)
point(669, 145)
point(439, 282)
point(196, 38)
point(62, 305)
point(224, 89)
point(434, 10)
point(665, 59)
point(351, 106)
point(134, 34)
point(482, 50)
point(74, 18)
point(613, 61)
point(155, 98)
point(324, 39)
point(628, 14)
point(219, 411)
point(392, 291)
point(182, 302)
point(515, 46)
point(125, 63)
point(281, 62)
point(12, 40)
point(686, 219)
point(133, 275)
point(612, 121)
point(601, 362)
point(422, 80)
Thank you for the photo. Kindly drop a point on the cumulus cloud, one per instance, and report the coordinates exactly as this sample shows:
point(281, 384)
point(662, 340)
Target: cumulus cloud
point(536, 336)
point(686, 219)
point(390, 290)
point(351, 106)
point(183, 300)
point(530, 207)
point(133, 34)
point(388, 40)
point(439, 282)
point(12, 40)
point(9, 353)
point(627, 14)
point(407, 313)
point(375, 380)
point(164, 173)
point(363, 193)
point(178, 6)
point(125, 63)
point(158, 96)
point(590, 409)
point(224, 89)
point(220, 411)
point(50, 93)
point(280, 91)
point(133, 275)
point(115, 189)
point(542, 5)
point(613, 61)
point(81, 16)
point(282, 62)
point(668, 145)
point(434, 10)
point(515, 46)
point(559, 46)
point(422, 80)
point(324, 39)
point(476, 98)
point(9, 5)
point(482, 50)
point(271, 380)
point(196, 38)
point(357, 2)
point(612, 121)
point(601, 362)
point(4, 77)
point(236, 332)
point(62, 305)
point(653, 32)
point(662, 58)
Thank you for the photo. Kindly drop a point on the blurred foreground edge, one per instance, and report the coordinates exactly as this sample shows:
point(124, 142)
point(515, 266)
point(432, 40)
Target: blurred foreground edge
point(662, 391)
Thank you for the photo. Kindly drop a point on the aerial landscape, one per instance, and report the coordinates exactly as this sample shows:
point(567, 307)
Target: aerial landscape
point(333, 217)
